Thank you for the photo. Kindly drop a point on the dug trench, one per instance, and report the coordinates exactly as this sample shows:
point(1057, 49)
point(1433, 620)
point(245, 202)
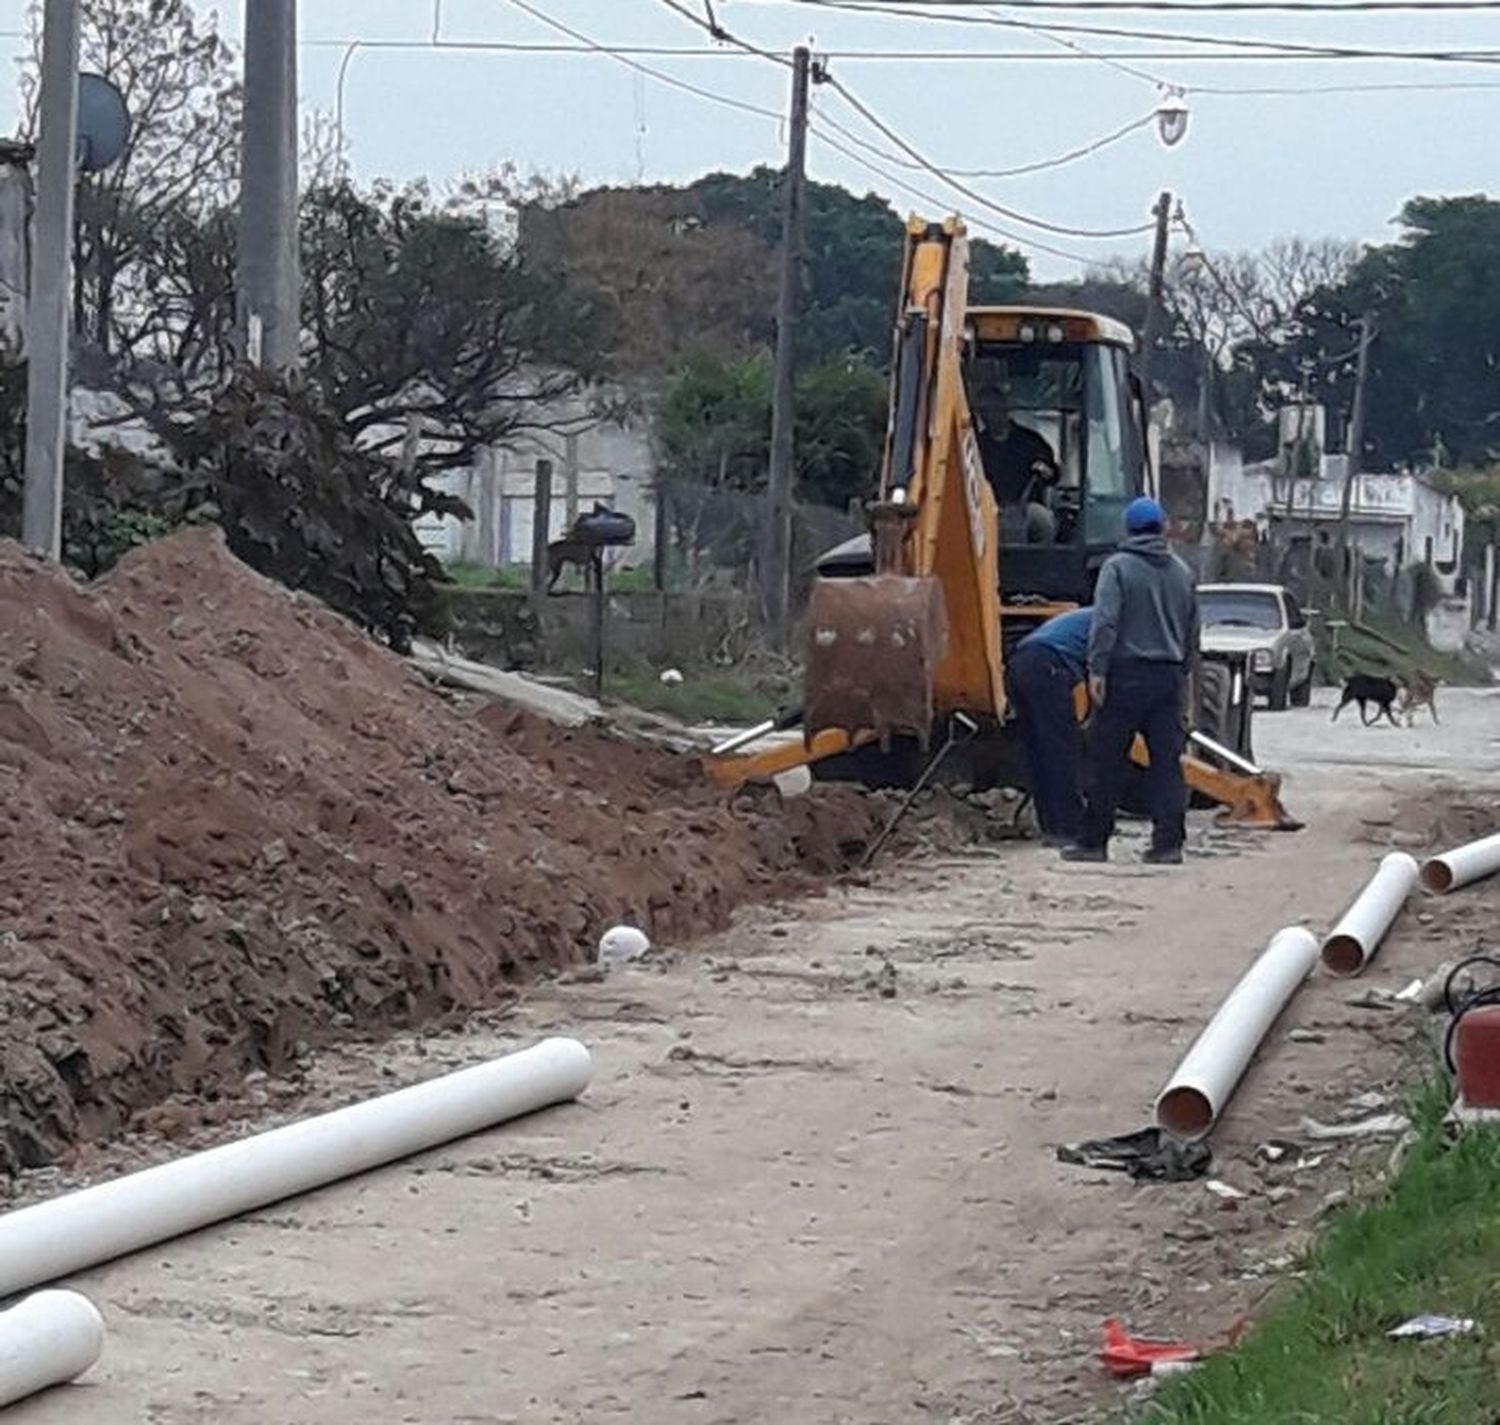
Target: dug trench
point(815, 1178)
point(237, 829)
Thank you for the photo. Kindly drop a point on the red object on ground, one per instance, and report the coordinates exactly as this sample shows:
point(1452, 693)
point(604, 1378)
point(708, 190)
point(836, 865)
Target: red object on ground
point(1477, 1053)
point(1126, 1356)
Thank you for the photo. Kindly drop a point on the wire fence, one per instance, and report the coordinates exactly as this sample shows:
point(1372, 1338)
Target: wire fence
point(714, 534)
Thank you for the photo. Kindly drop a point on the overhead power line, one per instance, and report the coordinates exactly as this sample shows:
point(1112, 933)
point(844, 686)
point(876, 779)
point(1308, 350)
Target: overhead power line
point(894, 56)
point(1284, 48)
point(1231, 7)
point(972, 194)
point(660, 75)
point(1041, 165)
point(938, 204)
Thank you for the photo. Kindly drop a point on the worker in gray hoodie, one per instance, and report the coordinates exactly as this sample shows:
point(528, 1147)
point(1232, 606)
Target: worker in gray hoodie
point(1142, 662)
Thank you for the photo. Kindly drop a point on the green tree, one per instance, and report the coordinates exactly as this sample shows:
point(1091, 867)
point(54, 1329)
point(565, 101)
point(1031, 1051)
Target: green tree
point(1434, 295)
point(714, 425)
point(693, 269)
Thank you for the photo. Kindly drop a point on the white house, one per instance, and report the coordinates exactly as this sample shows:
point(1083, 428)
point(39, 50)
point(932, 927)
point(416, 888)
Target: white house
point(597, 455)
point(1402, 517)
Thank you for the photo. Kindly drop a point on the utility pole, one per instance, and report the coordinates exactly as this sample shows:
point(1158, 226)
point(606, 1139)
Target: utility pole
point(47, 311)
point(1154, 298)
point(775, 572)
point(541, 530)
point(1352, 448)
point(269, 278)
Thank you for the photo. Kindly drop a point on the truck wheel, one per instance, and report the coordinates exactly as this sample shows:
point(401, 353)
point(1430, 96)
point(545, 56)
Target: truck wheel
point(1218, 717)
point(1216, 711)
point(1302, 693)
point(1281, 681)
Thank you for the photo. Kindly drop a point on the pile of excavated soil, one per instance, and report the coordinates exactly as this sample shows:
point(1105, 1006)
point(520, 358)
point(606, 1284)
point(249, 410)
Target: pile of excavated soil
point(234, 827)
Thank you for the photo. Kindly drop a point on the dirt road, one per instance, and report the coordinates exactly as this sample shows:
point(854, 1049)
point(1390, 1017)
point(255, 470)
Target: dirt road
point(815, 1179)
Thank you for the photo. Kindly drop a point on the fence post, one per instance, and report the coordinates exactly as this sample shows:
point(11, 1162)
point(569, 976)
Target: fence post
point(541, 522)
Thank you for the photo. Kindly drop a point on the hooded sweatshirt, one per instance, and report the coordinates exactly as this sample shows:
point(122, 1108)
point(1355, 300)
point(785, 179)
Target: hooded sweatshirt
point(1145, 607)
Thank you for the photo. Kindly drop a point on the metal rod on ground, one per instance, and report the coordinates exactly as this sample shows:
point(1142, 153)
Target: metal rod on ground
point(269, 280)
point(541, 529)
point(51, 280)
point(1225, 754)
point(960, 723)
point(780, 723)
point(775, 563)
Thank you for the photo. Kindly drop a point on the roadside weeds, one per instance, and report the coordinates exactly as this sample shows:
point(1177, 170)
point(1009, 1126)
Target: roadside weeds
point(1430, 1242)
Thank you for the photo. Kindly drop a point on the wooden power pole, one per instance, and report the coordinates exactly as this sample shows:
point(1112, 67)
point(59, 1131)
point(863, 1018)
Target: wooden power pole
point(775, 571)
point(1352, 448)
point(1155, 301)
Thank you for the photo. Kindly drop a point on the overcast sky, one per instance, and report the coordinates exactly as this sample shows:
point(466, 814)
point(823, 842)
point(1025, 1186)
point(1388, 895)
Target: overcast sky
point(1253, 167)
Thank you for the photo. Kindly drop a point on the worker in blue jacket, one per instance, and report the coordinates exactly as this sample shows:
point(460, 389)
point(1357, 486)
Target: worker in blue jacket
point(1043, 670)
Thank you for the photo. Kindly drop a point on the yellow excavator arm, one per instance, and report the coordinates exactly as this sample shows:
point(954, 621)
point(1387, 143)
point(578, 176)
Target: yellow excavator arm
point(898, 650)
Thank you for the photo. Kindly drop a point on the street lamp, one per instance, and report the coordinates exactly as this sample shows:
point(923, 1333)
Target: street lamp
point(1172, 118)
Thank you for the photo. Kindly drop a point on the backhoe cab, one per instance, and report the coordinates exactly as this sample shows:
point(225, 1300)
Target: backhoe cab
point(1016, 438)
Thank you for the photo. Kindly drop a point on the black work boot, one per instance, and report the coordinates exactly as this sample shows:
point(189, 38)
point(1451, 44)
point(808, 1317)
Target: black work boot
point(1091, 854)
point(1163, 856)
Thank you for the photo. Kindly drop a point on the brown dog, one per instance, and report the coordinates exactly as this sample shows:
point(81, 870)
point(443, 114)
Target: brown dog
point(1419, 691)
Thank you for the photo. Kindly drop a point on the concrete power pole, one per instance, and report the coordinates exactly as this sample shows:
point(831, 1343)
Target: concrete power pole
point(1151, 333)
point(775, 572)
point(1353, 447)
point(47, 314)
point(269, 278)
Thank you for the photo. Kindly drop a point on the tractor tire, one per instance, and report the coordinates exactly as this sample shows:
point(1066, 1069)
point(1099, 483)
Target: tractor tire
point(1281, 681)
point(1218, 717)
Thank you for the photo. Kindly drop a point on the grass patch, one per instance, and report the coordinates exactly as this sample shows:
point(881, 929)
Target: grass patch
point(482, 576)
point(704, 695)
point(1430, 1243)
point(1397, 649)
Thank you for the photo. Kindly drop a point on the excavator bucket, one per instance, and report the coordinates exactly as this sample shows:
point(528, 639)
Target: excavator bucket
point(1245, 799)
point(874, 645)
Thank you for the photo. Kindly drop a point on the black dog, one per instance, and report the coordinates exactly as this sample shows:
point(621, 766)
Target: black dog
point(1367, 688)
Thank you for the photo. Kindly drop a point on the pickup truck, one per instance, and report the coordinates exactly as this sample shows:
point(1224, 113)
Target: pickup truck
point(1266, 624)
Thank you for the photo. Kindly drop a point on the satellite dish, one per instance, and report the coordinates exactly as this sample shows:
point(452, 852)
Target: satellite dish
point(103, 123)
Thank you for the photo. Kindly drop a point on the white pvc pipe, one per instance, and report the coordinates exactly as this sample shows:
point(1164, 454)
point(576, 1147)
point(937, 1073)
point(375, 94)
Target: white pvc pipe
point(1196, 1094)
point(1461, 865)
point(67, 1234)
point(49, 1339)
point(1354, 940)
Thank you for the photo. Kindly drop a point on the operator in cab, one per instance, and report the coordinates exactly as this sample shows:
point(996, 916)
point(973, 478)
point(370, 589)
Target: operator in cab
point(1018, 463)
point(1042, 671)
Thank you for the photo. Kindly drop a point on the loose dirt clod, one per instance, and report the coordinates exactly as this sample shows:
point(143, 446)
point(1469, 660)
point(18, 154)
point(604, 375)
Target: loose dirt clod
point(235, 827)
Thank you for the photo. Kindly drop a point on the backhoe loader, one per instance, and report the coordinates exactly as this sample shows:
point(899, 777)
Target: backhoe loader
point(908, 627)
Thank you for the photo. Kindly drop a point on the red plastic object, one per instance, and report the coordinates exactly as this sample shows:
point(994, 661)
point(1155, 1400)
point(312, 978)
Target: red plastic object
point(1476, 1051)
point(1126, 1356)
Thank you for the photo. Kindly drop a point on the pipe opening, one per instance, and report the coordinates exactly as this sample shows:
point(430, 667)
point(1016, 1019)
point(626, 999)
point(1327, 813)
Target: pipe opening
point(1343, 955)
point(1437, 876)
point(1185, 1113)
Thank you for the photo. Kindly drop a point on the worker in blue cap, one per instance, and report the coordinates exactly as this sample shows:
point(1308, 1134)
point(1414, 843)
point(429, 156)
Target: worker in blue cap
point(1142, 665)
